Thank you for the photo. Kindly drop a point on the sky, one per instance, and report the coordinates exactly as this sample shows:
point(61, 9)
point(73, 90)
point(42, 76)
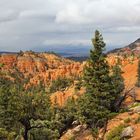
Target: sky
point(42, 25)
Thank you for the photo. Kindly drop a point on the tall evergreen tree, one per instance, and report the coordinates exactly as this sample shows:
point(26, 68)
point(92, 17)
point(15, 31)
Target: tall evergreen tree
point(118, 83)
point(95, 106)
point(138, 75)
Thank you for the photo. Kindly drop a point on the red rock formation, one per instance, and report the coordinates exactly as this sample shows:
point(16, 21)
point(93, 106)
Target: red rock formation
point(41, 66)
point(8, 60)
point(47, 67)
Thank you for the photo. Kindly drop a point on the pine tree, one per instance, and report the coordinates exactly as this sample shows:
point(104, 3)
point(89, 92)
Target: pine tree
point(118, 83)
point(138, 75)
point(20, 108)
point(95, 105)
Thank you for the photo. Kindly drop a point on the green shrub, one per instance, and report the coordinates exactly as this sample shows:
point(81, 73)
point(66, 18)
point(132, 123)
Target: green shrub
point(122, 110)
point(115, 133)
point(137, 120)
point(44, 134)
point(79, 84)
point(138, 75)
point(128, 120)
point(135, 105)
point(95, 132)
point(60, 84)
point(4, 134)
point(1, 65)
point(72, 138)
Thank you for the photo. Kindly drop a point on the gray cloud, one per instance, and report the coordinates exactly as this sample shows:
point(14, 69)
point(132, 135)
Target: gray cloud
point(43, 24)
point(8, 15)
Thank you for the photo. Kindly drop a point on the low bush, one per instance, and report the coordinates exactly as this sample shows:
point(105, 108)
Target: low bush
point(137, 120)
point(127, 120)
point(60, 84)
point(115, 134)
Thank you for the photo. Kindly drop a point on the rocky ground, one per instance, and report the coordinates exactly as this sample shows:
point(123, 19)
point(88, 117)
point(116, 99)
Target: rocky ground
point(124, 126)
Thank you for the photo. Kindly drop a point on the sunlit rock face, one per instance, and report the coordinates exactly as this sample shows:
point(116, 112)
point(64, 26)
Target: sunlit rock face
point(8, 60)
point(40, 66)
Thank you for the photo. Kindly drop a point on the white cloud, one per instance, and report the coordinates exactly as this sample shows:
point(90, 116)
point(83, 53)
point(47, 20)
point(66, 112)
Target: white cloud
point(31, 23)
point(71, 14)
point(66, 42)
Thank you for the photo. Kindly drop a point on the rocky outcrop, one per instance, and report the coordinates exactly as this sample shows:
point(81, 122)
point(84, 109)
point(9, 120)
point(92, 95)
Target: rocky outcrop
point(8, 60)
point(127, 132)
point(40, 66)
point(130, 130)
point(135, 109)
point(63, 96)
point(79, 132)
point(131, 49)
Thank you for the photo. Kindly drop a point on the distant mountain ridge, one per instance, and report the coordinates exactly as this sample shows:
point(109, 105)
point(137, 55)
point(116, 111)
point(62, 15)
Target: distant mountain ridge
point(6, 52)
point(83, 54)
point(133, 47)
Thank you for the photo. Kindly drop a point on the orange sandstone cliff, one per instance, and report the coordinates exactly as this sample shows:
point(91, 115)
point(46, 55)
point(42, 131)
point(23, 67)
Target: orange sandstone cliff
point(39, 66)
point(46, 67)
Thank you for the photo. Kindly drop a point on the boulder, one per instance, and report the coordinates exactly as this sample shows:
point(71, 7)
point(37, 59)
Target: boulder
point(79, 128)
point(136, 109)
point(127, 132)
point(75, 123)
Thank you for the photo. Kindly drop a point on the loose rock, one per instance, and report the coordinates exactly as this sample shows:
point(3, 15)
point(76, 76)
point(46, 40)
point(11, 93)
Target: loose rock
point(127, 132)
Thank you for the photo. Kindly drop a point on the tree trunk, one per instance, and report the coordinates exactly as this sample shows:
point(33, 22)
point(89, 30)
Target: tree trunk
point(26, 134)
point(105, 129)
